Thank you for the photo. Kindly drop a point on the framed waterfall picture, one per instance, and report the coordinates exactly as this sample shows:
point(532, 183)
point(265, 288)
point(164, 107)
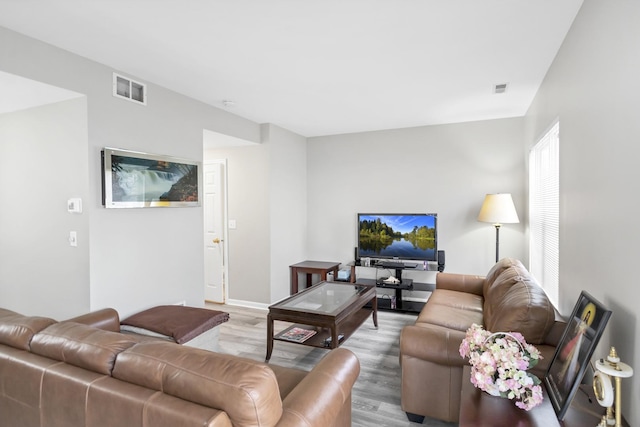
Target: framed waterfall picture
point(139, 180)
point(573, 353)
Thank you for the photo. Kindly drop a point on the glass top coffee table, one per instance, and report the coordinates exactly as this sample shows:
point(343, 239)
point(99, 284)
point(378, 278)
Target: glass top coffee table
point(324, 315)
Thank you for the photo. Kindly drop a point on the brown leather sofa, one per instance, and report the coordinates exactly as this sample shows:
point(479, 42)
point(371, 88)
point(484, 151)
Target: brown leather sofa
point(84, 373)
point(507, 299)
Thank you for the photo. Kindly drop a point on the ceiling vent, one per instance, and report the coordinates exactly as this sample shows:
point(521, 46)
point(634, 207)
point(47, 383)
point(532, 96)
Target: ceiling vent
point(124, 87)
point(500, 88)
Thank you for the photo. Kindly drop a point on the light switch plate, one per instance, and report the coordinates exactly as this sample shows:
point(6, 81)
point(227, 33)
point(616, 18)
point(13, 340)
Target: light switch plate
point(74, 205)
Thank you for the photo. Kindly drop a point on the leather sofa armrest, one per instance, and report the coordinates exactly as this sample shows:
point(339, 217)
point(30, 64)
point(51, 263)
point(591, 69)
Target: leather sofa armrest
point(319, 398)
point(460, 282)
point(432, 343)
point(106, 319)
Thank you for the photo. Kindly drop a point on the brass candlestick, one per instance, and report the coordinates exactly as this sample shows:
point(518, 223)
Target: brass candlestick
point(603, 388)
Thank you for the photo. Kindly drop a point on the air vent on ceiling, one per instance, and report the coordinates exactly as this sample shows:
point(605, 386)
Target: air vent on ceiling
point(124, 87)
point(500, 88)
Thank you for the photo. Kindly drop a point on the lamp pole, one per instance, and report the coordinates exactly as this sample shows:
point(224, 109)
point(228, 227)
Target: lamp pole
point(497, 241)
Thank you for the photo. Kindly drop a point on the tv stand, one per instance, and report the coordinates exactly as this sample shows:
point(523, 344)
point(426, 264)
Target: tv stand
point(398, 274)
point(396, 302)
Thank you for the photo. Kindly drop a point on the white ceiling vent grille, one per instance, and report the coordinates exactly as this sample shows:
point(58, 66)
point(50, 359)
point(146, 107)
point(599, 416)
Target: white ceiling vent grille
point(124, 87)
point(500, 88)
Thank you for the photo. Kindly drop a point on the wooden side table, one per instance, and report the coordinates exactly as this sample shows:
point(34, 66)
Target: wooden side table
point(479, 409)
point(310, 268)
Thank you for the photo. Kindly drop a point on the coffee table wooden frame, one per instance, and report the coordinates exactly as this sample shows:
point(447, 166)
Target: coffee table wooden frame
point(345, 319)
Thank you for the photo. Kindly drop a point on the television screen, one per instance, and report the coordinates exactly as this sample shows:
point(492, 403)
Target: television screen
point(401, 236)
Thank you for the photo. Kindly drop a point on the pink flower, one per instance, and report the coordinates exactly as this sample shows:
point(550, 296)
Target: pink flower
point(499, 362)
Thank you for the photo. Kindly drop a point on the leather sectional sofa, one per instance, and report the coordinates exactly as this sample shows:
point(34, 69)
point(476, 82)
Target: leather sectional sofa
point(507, 299)
point(85, 373)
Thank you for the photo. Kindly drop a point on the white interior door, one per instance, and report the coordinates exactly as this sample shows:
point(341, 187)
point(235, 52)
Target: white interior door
point(214, 287)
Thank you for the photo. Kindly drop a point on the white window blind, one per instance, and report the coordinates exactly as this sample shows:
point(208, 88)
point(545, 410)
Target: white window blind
point(544, 212)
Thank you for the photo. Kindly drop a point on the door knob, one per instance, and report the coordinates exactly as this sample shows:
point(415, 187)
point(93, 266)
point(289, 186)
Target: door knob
point(216, 240)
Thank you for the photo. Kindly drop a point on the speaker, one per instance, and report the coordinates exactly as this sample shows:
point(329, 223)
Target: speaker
point(355, 255)
point(441, 261)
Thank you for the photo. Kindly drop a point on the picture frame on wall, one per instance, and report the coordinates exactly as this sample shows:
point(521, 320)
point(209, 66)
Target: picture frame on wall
point(132, 179)
point(573, 353)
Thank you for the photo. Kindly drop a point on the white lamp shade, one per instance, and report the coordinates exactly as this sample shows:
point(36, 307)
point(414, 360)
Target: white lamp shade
point(498, 209)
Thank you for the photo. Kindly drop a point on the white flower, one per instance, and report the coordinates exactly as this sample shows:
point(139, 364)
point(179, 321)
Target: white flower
point(499, 362)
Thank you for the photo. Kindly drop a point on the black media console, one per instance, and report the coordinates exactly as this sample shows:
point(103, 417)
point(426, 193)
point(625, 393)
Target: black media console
point(396, 302)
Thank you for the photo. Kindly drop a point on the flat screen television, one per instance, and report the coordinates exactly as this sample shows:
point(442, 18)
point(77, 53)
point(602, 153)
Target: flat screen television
point(398, 236)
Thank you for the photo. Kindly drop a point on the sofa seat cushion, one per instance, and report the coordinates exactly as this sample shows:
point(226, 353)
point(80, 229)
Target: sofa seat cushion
point(449, 317)
point(245, 389)
point(524, 308)
point(462, 300)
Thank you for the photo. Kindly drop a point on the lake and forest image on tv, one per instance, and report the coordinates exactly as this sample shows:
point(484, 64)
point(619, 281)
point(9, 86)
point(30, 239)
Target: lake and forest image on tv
point(402, 236)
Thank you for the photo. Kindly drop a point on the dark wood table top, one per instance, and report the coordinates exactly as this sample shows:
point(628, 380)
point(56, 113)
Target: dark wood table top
point(479, 409)
point(319, 265)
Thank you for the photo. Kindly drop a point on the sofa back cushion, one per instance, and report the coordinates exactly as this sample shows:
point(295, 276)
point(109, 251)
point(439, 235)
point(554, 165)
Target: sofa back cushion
point(497, 270)
point(17, 330)
point(522, 307)
point(500, 286)
point(245, 389)
point(81, 345)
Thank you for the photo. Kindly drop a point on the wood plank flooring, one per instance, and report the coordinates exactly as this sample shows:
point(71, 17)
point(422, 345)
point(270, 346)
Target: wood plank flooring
point(376, 394)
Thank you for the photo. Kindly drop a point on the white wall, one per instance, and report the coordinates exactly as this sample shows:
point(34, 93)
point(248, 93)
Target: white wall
point(137, 257)
point(288, 205)
point(593, 88)
point(267, 198)
point(43, 154)
point(444, 169)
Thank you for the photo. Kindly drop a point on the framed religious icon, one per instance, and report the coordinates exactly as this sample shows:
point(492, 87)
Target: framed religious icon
point(573, 353)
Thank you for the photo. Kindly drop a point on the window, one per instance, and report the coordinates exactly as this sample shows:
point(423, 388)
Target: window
point(544, 212)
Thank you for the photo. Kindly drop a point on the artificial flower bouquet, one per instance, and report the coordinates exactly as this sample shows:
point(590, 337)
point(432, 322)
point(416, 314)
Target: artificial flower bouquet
point(498, 365)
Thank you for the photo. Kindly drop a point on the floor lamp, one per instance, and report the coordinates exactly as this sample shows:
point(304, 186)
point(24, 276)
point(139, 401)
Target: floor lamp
point(498, 209)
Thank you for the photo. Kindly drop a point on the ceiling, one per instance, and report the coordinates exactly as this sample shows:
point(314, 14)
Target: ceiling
point(319, 67)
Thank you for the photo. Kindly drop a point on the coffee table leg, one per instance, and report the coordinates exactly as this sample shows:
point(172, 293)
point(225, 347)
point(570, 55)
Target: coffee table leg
point(309, 280)
point(269, 337)
point(294, 280)
point(374, 304)
point(334, 337)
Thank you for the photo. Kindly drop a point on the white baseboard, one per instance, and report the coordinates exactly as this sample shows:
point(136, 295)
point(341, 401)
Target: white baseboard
point(249, 304)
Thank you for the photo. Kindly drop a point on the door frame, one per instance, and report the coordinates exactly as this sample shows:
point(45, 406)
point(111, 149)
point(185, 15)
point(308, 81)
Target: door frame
point(225, 226)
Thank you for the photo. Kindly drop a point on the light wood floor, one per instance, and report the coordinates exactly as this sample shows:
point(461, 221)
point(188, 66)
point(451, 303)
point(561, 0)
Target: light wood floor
point(376, 394)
